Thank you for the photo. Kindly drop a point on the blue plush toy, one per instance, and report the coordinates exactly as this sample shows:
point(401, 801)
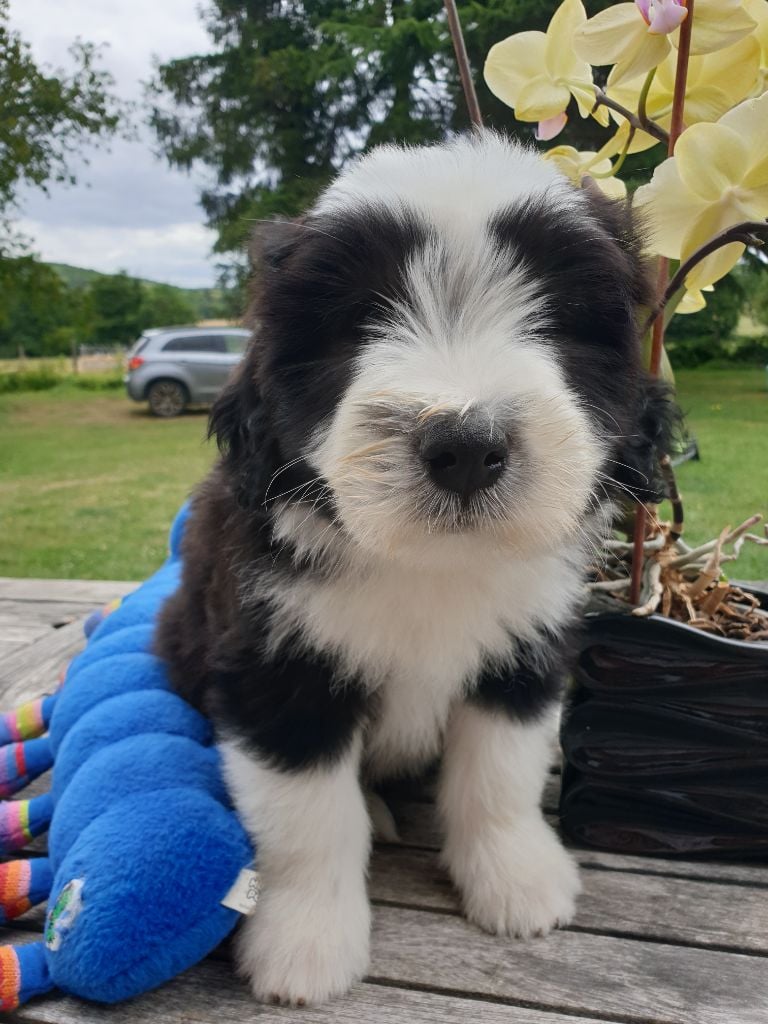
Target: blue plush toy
point(143, 843)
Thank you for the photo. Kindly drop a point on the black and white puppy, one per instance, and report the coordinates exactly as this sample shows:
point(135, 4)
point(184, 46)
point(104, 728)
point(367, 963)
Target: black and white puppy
point(384, 563)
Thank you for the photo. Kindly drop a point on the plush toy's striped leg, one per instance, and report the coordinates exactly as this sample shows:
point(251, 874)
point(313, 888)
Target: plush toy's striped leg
point(22, 820)
point(28, 721)
point(23, 974)
point(23, 884)
point(22, 762)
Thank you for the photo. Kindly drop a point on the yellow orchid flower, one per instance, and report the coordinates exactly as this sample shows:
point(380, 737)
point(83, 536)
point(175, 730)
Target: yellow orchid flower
point(576, 166)
point(716, 83)
point(717, 178)
point(693, 301)
point(537, 73)
point(758, 9)
point(636, 37)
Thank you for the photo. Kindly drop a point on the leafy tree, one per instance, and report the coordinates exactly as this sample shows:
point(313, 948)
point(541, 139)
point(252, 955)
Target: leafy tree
point(291, 90)
point(46, 118)
point(759, 304)
point(117, 309)
point(34, 305)
point(697, 338)
point(754, 279)
point(162, 305)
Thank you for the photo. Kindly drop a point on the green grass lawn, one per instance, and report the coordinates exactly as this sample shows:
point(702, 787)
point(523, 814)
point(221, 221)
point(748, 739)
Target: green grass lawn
point(727, 410)
point(89, 482)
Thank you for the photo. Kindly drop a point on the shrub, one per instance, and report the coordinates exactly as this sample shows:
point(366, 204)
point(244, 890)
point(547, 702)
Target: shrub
point(108, 381)
point(686, 351)
point(39, 379)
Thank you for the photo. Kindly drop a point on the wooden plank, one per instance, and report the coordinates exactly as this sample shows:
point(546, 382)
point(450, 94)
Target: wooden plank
point(568, 972)
point(8, 648)
point(417, 826)
point(574, 972)
point(665, 909)
point(34, 669)
point(43, 613)
point(734, 873)
point(91, 592)
point(684, 911)
point(15, 630)
point(212, 993)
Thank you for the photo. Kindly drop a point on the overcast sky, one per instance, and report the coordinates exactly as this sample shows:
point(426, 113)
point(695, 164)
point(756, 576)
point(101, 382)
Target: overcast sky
point(129, 210)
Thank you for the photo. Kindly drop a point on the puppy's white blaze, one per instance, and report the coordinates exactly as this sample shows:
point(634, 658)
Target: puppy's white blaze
point(461, 288)
point(514, 876)
point(499, 367)
point(309, 937)
point(458, 185)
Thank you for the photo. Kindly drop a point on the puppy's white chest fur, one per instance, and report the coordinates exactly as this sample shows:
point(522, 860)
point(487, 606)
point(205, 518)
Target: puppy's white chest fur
point(418, 635)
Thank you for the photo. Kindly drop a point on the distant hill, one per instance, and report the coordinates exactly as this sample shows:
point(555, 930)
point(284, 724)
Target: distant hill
point(208, 303)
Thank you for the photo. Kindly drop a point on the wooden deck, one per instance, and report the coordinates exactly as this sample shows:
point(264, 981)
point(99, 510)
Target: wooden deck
point(655, 941)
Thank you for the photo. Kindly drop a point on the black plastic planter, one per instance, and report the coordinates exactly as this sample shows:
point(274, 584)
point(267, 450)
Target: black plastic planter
point(666, 740)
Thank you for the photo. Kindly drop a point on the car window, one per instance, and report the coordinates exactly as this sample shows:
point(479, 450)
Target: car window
point(236, 343)
point(138, 346)
point(195, 343)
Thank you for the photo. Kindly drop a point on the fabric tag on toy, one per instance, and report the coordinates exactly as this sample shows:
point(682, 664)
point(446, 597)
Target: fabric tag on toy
point(244, 894)
point(63, 913)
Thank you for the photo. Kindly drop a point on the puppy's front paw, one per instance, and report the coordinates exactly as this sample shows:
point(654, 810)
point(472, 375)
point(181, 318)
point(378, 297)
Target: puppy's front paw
point(515, 879)
point(299, 950)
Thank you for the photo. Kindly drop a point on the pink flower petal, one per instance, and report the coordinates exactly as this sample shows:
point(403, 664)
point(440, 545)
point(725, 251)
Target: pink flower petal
point(665, 16)
point(546, 130)
point(644, 6)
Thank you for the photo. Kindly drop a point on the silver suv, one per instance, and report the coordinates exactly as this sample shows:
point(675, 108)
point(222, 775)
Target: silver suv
point(172, 367)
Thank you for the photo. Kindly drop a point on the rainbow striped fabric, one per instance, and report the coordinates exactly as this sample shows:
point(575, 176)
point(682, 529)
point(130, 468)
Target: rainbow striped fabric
point(10, 979)
point(23, 723)
point(14, 825)
point(15, 884)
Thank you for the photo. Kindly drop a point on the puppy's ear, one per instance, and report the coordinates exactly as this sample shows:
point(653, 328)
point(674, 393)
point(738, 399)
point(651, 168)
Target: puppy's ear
point(274, 241)
point(657, 427)
point(618, 219)
point(240, 425)
point(656, 422)
point(239, 419)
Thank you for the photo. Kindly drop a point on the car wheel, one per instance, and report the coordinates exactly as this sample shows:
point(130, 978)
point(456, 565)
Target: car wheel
point(167, 398)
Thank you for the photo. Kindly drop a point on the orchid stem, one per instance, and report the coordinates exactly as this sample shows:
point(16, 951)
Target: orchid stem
point(649, 126)
point(638, 540)
point(675, 130)
point(657, 346)
point(623, 155)
point(681, 79)
point(642, 114)
point(619, 162)
point(642, 118)
point(748, 233)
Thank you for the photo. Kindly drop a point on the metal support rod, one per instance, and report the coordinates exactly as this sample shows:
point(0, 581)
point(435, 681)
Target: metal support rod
point(462, 60)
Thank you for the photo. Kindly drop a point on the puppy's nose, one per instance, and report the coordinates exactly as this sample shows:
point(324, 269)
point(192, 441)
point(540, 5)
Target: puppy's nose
point(463, 458)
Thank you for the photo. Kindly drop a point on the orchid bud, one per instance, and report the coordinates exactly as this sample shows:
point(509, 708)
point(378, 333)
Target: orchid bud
point(662, 16)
